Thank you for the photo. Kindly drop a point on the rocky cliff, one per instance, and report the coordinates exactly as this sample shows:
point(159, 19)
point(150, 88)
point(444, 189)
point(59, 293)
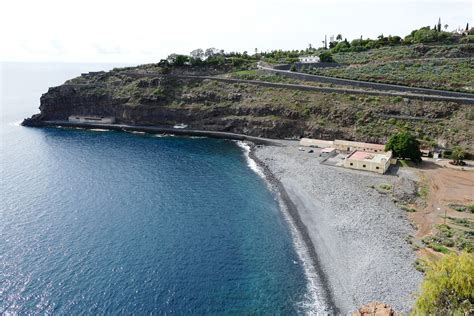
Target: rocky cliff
point(144, 96)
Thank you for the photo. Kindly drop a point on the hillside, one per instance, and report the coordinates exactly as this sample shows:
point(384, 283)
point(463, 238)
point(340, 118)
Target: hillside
point(445, 67)
point(143, 96)
point(218, 91)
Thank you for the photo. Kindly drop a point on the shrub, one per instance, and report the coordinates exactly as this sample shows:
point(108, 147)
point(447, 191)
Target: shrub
point(408, 209)
point(385, 186)
point(471, 208)
point(427, 35)
point(326, 57)
point(457, 155)
point(457, 207)
point(178, 60)
point(448, 288)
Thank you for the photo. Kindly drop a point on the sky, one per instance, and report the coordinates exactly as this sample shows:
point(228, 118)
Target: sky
point(143, 31)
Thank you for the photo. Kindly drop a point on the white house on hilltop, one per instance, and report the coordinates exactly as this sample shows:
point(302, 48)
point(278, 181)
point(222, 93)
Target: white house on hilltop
point(309, 59)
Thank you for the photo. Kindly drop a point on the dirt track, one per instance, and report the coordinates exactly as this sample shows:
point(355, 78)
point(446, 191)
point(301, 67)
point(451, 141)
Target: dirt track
point(446, 185)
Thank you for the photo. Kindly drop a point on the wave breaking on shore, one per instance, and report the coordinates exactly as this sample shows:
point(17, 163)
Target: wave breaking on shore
point(314, 302)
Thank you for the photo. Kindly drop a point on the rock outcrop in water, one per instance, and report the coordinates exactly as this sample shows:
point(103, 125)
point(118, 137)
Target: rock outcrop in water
point(144, 96)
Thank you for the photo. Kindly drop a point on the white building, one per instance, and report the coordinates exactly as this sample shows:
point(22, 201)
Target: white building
point(347, 145)
point(309, 59)
point(91, 119)
point(310, 142)
point(362, 160)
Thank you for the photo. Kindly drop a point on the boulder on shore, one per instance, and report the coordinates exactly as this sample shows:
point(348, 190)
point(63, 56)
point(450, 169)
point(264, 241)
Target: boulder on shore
point(375, 309)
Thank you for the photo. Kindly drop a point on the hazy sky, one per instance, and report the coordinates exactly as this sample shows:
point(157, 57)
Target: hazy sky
point(145, 31)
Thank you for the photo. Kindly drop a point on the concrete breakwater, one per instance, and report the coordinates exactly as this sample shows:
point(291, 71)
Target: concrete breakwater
point(156, 130)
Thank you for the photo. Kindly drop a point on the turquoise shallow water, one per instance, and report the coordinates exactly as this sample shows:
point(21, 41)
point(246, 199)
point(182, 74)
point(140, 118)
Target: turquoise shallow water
point(108, 222)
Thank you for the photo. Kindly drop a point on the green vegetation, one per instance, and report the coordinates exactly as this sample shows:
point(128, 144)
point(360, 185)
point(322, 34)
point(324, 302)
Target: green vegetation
point(326, 57)
point(408, 209)
point(459, 208)
point(385, 187)
point(458, 155)
point(427, 57)
point(422, 35)
point(308, 113)
point(428, 35)
point(405, 53)
point(448, 288)
point(444, 74)
point(459, 235)
point(420, 265)
point(404, 145)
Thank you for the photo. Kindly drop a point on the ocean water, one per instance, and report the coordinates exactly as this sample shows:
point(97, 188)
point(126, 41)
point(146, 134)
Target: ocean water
point(101, 222)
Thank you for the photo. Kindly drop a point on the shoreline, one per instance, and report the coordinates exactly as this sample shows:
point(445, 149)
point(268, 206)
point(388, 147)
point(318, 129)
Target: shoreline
point(322, 246)
point(326, 303)
point(292, 211)
point(358, 247)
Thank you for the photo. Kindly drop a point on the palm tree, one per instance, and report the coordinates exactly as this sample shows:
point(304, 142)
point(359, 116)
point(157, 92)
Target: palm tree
point(446, 27)
point(458, 156)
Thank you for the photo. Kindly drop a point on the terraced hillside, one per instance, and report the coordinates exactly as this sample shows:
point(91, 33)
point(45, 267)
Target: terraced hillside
point(445, 67)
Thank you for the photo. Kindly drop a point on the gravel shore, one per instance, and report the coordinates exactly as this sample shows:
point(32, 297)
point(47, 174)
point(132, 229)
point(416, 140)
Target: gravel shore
point(358, 234)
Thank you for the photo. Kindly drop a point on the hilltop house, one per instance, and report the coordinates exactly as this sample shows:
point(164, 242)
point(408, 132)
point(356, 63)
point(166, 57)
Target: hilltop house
point(309, 59)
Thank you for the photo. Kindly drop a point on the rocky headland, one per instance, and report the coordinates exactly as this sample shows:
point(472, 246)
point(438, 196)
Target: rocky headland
point(145, 95)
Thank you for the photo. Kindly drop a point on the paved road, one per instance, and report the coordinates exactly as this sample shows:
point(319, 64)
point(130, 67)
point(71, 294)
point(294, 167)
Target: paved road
point(387, 92)
point(368, 84)
point(376, 88)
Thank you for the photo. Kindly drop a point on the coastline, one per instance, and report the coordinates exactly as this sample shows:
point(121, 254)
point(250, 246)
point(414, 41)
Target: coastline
point(326, 302)
point(360, 256)
point(322, 301)
point(341, 288)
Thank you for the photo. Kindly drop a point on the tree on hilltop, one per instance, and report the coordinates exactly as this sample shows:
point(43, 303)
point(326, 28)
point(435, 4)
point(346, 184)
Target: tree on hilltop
point(197, 53)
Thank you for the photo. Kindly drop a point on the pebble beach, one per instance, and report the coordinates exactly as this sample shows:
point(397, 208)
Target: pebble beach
point(359, 236)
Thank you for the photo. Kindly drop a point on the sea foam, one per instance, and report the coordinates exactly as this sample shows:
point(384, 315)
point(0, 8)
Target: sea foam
point(313, 303)
point(250, 162)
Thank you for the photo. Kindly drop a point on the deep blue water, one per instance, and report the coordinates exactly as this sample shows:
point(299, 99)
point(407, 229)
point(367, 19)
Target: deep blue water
point(108, 222)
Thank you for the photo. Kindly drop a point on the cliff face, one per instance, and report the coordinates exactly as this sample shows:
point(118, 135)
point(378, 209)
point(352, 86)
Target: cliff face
point(154, 99)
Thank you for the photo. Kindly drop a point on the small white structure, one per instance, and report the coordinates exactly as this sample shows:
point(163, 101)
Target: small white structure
point(325, 152)
point(361, 160)
point(91, 119)
point(309, 59)
point(311, 142)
